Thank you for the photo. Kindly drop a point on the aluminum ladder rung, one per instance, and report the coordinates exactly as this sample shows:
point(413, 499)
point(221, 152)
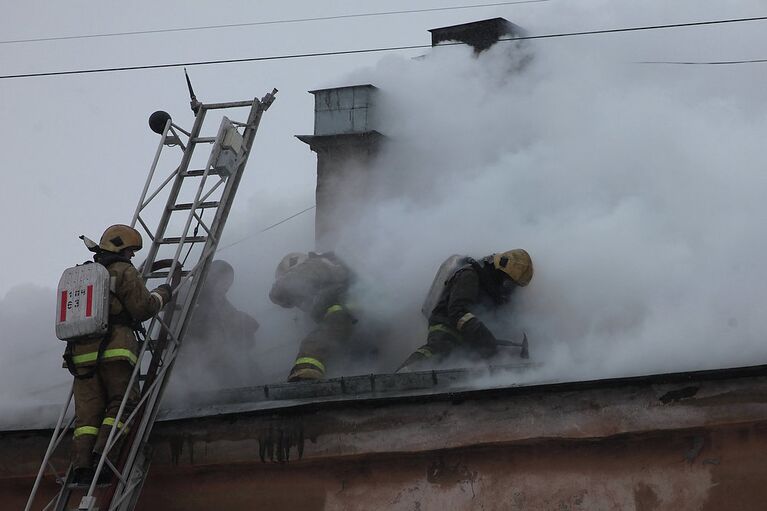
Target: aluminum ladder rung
point(188, 205)
point(176, 240)
point(164, 274)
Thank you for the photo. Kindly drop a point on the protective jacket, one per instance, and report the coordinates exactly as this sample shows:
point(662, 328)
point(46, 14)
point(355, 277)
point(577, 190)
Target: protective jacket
point(130, 303)
point(454, 324)
point(217, 317)
point(318, 287)
point(472, 287)
point(313, 286)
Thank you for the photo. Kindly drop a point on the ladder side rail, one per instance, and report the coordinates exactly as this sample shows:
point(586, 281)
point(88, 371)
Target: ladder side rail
point(115, 425)
point(55, 440)
point(139, 432)
point(218, 223)
point(249, 135)
point(151, 173)
point(172, 199)
point(199, 198)
point(62, 497)
point(59, 438)
point(115, 433)
point(222, 213)
point(217, 226)
point(169, 356)
point(213, 234)
point(157, 387)
point(173, 196)
point(148, 420)
point(195, 204)
point(162, 339)
point(126, 486)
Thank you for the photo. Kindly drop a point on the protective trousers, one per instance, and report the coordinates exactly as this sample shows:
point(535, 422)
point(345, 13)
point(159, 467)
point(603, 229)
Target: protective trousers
point(97, 401)
point(441, 342)
point(328, 337)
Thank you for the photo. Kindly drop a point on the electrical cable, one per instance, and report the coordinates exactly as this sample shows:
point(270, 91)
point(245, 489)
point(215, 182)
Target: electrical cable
point(194, 234)
point(384, 49)
point(272, 22)
point(703, 63)
point(266, 228)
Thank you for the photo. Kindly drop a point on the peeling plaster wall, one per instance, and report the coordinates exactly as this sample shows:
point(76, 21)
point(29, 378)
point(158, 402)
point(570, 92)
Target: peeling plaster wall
point(638, 445)
point(696, 470)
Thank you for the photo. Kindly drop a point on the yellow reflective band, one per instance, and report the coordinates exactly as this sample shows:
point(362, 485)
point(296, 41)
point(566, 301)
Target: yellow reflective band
point(111, 420)
point(464, 319)
point(443, 328)
point(334, 308)
point(311, 361)
point(426, 352)
point(86, 430)
point(113, 353)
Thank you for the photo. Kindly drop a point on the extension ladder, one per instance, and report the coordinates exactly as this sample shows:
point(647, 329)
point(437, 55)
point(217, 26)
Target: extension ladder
point(210, 188)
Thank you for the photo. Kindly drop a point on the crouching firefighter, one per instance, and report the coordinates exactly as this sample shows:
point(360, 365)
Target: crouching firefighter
point(317, 284)
point(463, 287)
point(100, 307)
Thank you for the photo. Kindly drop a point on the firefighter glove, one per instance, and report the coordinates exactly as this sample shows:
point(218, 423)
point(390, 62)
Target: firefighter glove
point(165, 292)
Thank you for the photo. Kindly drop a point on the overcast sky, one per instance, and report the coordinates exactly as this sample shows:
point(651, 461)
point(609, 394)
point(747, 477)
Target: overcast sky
point(598, 147)
point(77, 148)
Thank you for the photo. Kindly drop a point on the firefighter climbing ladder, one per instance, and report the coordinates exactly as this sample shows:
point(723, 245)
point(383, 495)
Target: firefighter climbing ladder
point(214, 189)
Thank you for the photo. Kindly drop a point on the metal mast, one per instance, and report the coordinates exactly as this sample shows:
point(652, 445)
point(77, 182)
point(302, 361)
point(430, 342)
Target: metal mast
point(182, 230)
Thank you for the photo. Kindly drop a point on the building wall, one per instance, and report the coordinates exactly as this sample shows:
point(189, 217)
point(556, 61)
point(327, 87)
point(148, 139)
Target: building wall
point(649, 472)
point(674, 442)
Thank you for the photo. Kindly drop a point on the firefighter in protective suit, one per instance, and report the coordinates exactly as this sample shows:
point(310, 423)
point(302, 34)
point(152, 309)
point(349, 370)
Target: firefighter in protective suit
point(220, 334)
point(454, 327)
point(317, 284)
point(103, 367)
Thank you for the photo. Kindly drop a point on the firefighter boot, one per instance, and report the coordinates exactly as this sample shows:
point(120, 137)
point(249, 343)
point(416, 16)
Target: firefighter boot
point(82, 476)
point(305, 374)
point(307, 368)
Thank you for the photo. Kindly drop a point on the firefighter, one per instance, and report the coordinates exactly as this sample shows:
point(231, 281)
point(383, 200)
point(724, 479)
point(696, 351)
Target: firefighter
point(454, 327)
point(217, 321)
point(103, 367)
point(316, 284)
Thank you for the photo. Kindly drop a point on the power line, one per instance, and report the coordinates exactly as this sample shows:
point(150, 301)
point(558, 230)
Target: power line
point(267, 228)
point(378, 50)
point(272, 22)
point(703, 63)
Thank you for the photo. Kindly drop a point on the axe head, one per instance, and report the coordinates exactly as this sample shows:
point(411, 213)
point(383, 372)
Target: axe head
point(524, 353)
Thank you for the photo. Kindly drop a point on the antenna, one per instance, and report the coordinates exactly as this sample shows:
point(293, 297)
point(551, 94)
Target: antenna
point(193, 103)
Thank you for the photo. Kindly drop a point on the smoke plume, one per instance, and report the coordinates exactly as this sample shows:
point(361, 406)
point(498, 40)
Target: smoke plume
point(637, 190)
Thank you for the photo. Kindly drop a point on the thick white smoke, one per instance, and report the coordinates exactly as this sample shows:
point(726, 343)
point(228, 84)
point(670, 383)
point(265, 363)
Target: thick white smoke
point(637, 189)
point(33, 381)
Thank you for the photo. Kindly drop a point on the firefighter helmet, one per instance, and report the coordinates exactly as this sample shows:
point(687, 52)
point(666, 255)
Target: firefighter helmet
point(288, 262)
point(119, 237)
point(220, 275)
point(516, 264)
